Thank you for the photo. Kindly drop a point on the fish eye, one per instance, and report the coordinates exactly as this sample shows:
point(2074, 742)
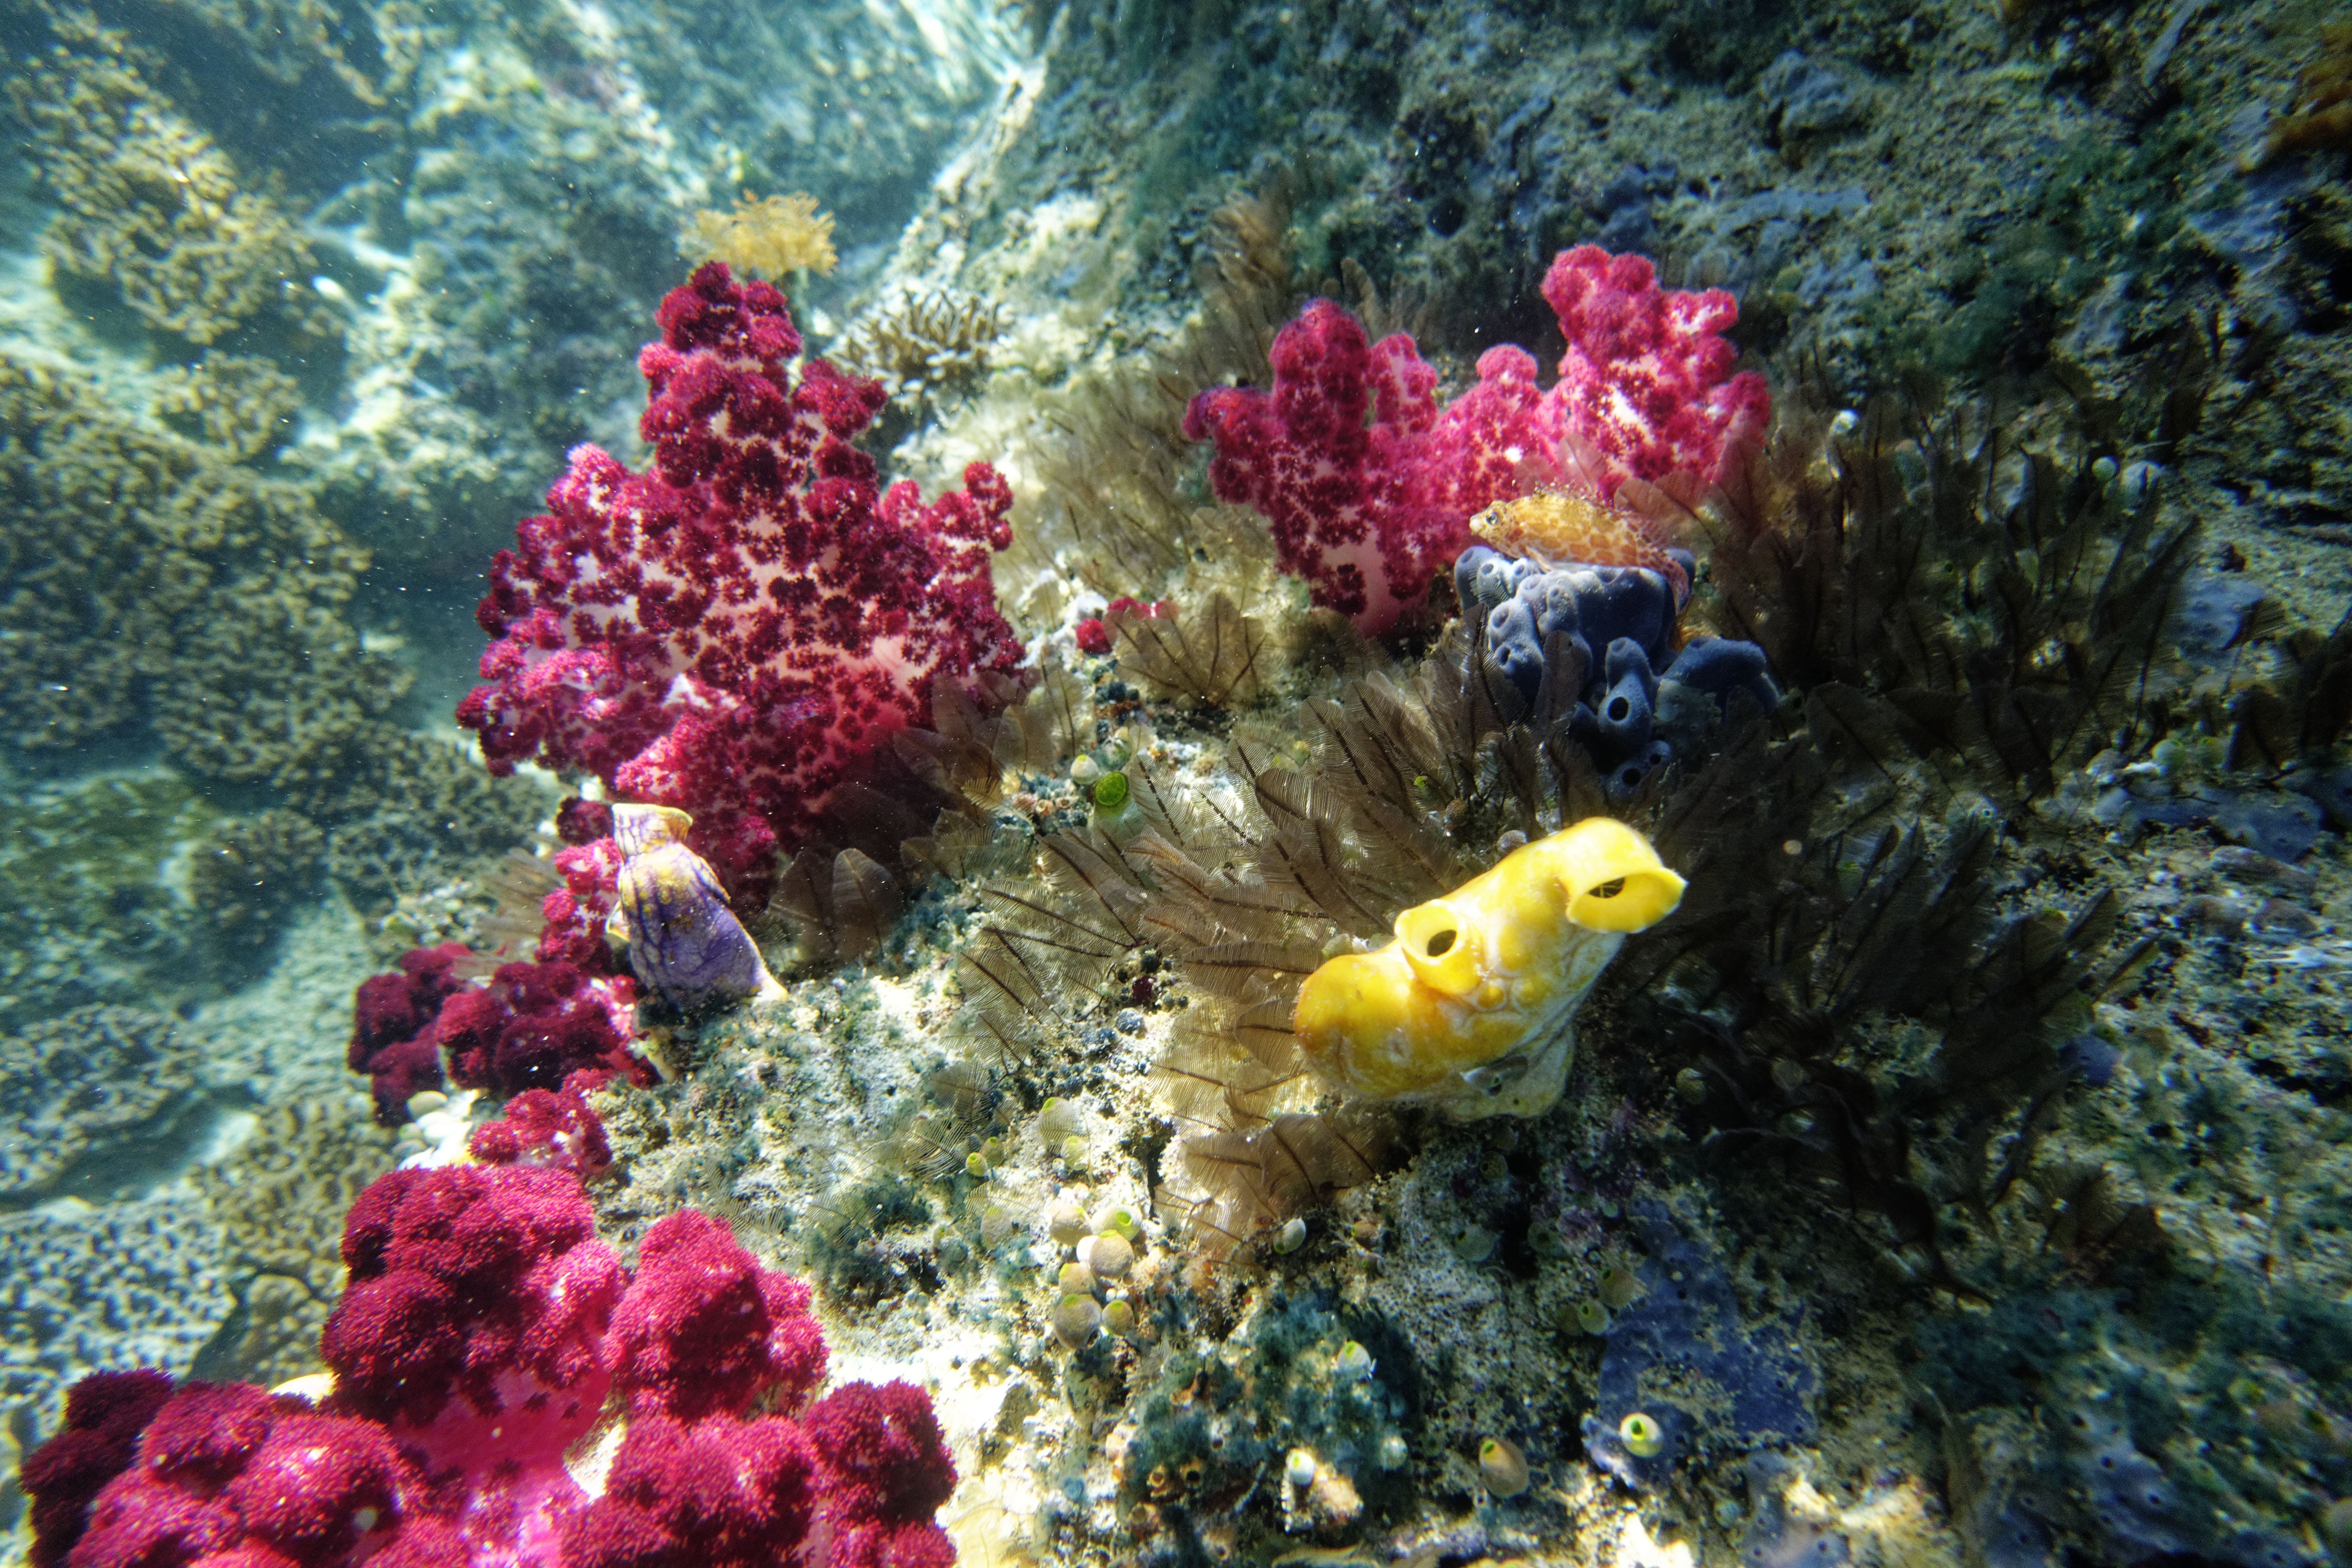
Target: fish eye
point(1441, 943)
point(1609, 889)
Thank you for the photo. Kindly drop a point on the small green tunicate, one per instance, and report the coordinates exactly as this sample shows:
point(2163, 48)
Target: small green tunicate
point(1085, 771)
point(1066, 1222)
point(1074, 1148)
point(1502, 1467)
point(1291, 1236)
point(992, 1151)
point(996, 1225)
point(1111, 793)
point(1545, 1241)
point(976, 1164)
point(1592, 1317)
point(1076, 1321)
point(1643, 1437)
point(1118, 1317)
point(1619, 1289)
point(1056, 1120)
point(1118, 1220)
point(1392, 1452)
point(1691, 1084)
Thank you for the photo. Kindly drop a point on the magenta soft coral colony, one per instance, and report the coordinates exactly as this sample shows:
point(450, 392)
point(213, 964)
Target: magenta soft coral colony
point(735, 633)
point(1369, 487)
point(507, 1393)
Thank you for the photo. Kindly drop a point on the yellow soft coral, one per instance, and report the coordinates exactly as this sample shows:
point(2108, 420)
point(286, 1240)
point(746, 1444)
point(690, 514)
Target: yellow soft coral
point(769, 237)
point(1471, 1006)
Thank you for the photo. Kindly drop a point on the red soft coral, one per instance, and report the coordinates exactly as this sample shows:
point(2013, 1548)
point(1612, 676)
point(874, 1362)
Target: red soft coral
point(707, 1329)
point(1328, 457)
point(392, 1028)
point(887, 1472)
point(535, 1025)
point(483, 1331)
point(737, 631)
point(104, 1416)
point(1369, 487)
point(547, 1127)
point(1646, 383)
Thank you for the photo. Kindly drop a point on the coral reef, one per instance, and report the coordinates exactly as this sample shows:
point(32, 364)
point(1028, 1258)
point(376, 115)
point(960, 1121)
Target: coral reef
point(93, 1099)
point(197, 601)
point(735, 633)
point(278, 1200)
point(132, 1285)
point(250, 875)
point(150, 204)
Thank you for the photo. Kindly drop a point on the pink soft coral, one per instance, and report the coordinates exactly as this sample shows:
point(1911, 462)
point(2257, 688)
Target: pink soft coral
point(736, 632)
point(1369, 485)
point(486, 1331)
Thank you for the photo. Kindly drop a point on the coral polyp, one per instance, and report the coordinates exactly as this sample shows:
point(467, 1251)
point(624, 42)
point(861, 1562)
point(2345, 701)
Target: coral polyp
point(1471, 1006)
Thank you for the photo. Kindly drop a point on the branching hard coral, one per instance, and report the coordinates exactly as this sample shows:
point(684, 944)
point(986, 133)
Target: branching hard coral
point(924, 344)
point(771, 236)
point(147, 202)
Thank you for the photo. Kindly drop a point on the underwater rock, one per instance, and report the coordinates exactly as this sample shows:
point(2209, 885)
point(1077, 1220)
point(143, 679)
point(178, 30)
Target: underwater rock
point(685, 943)
point(1472, 1004)
point(2281, 826)
point(1683, 1356)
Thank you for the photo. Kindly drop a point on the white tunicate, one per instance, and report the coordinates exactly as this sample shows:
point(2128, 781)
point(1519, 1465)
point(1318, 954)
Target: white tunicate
point(1392, 1452)
point(1299, 1469)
